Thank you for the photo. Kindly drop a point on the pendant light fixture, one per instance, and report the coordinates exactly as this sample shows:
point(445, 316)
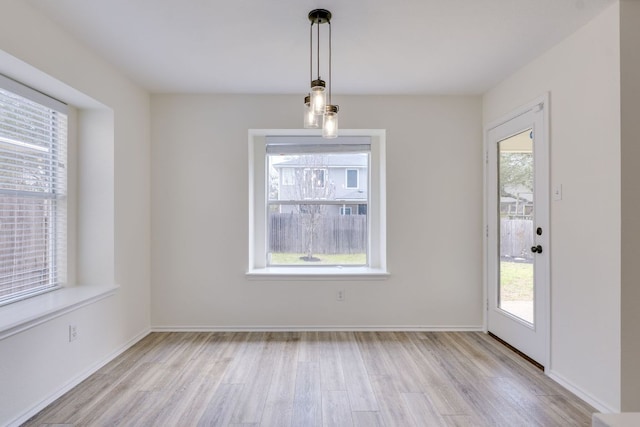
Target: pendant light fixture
point(318, 110)
point(311, 119)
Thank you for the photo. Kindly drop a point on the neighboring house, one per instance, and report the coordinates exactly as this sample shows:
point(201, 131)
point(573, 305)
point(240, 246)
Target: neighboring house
point(341, 177)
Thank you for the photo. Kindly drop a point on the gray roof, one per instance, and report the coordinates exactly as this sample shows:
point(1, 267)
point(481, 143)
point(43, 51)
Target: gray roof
point(350, 194)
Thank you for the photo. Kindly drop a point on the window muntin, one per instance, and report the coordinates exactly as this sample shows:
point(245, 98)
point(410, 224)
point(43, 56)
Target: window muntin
point(33, 137)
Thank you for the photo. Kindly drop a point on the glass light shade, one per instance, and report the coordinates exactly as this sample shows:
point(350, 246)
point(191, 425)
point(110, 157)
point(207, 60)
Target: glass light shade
point(330, 127)
point(311, 120)
point(318, 97)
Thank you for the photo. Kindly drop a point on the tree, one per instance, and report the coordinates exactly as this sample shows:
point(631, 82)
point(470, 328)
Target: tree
point(274, 188)
point(312, 183)
point(516, 174)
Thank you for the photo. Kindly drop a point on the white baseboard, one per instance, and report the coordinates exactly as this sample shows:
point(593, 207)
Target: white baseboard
point(587, 397)
point(393, 328)
point(75, 381)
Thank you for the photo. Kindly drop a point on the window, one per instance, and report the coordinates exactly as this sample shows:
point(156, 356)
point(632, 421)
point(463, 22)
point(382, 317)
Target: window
point(345, 211)
point(316, 224)
point(352, 178)
point(287, 175)
point(305, 223)
point(314, 178)
point(33, 138)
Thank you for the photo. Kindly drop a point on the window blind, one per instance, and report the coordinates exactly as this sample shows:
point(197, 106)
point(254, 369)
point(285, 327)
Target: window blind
point(33, 179)
point(315, 144)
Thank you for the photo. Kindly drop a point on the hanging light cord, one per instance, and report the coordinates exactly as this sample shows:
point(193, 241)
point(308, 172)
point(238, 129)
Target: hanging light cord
point(329, 22)
point(318, 51)
point(311, 52)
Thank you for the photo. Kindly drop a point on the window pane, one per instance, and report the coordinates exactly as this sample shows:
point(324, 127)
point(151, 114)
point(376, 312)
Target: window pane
point(515, 184)
point(331, 231)
point(345, 211)
point(318, 176)
point(25, 249)
point(316, 234)
point(352, 178)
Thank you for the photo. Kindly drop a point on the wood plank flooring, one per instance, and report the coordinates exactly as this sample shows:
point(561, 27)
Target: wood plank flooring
point(317, 379)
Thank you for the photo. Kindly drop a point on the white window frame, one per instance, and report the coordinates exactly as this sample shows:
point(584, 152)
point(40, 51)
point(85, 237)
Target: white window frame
point(346, 178)
point(345, 210)
point(257, 258)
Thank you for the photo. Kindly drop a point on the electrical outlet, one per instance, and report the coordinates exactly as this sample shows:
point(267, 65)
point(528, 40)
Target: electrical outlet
point(73, 333)
point(340, 295)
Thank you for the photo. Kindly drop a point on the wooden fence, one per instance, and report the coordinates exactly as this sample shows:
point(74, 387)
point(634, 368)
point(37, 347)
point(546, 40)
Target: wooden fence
point(516, 238)
point(332, 234)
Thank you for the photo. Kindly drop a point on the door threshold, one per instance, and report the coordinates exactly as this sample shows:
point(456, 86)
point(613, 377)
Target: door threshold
point(515, 350)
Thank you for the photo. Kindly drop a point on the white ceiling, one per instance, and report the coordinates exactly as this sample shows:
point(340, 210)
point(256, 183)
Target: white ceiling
point(262, 46)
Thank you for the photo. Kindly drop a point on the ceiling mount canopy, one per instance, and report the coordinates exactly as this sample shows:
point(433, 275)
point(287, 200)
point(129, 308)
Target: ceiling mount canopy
point(320, 16)
point(318, 109)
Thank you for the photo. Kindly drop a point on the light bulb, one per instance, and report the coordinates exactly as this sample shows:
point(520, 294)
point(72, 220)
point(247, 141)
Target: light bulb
point(318, 97)
point(311, 120)
point(330, 127)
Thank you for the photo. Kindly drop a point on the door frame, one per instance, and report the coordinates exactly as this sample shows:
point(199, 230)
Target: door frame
point(544, 169)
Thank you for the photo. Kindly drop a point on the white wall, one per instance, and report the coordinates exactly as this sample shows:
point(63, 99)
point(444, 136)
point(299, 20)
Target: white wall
point(200, 219)
point(582, 74)
point(112, 226)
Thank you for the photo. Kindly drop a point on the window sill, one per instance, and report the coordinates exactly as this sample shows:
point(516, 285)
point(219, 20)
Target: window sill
point(317, 273)
point(26, 314)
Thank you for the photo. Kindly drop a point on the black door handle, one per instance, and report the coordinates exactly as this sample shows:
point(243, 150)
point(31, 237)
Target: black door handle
point(536, 249)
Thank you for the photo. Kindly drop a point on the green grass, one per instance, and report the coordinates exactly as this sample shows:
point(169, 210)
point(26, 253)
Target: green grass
point(517, 281)
point(324, 259)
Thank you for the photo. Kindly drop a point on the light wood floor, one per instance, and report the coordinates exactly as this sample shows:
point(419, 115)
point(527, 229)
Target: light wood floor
point(317, 378)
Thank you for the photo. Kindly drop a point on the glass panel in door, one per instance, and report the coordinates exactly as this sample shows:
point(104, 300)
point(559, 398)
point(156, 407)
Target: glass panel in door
point(515, 189)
